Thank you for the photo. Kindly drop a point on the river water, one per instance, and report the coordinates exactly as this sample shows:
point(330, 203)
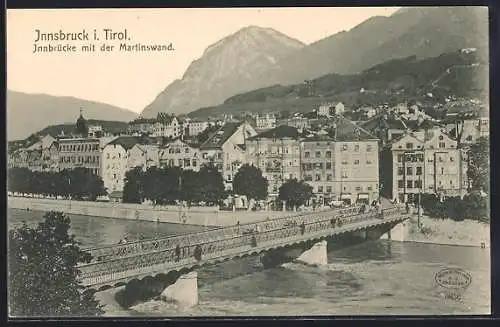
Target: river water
point(372, 278)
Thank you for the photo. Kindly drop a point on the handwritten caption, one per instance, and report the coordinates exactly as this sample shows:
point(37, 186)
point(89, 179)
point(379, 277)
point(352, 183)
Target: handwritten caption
point(91, 41)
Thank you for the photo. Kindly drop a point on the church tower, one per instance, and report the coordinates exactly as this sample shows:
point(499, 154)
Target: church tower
point(81, 125)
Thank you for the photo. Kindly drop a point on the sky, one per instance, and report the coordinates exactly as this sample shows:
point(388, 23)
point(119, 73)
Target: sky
point(133, 80)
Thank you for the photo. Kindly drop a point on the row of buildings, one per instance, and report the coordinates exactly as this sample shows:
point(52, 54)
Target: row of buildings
point(340, 159)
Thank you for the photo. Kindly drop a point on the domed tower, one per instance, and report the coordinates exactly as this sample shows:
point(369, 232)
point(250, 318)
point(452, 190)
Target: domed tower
point(81, 125)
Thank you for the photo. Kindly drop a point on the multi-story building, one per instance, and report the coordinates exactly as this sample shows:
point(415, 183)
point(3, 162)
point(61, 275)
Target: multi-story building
point(225, 149)
point(195, 127)
point(299, 123)
point(427, 162)
point(268, 121)
point(180, 154)
point(277, 153)
point(114, 162)
point(80, 152)
point(144, 156)
point(166, 126)
point(142, 126)
point(344, 167)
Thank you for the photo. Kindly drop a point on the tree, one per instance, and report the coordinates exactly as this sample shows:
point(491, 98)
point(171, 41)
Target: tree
point(250, 182)
point(43, 271)
point(133, 190)
point(295, 193)
point(211, 184)
point(479, 166)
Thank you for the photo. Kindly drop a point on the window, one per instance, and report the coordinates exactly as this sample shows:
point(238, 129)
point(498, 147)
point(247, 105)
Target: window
point(194, 163)
point(409, 184)
point(344, 162)
point(328, 165)
point(356, 148)
point(418, 184)
point(344, 174)
point(442, 145)
point(451, 159)
point(187, 163)
point(318, 154)
point(368, 162)
point(328, 154)
point(318, 177)
point(419, 170)
point(368, 148)
point(186, 150)
point(409, 170)
point(328, 189)
point(228, 177)
point(228, 167)
point(329, 177)
point(356, 162)
point(320, 189)
point(370, 188)
point(107, 156)
point(409, 145)
point(307, 154)
point(358, 188)
point(400, 158)
point(401, 170)
point(344, 147)
point(308, 178)
point(442, 171)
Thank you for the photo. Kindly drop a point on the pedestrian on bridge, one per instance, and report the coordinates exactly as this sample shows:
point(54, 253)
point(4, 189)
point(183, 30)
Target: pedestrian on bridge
point(177, 253)
point(302, 228)
point(198, 252)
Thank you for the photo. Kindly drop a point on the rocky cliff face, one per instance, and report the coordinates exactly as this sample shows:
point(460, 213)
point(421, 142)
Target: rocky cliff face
point(230, 66)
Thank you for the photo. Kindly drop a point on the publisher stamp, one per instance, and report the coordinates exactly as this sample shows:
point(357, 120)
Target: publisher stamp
point(453, 282)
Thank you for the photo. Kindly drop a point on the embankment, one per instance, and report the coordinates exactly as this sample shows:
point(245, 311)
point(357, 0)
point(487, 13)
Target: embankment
point(201, 216)
point(443, 231)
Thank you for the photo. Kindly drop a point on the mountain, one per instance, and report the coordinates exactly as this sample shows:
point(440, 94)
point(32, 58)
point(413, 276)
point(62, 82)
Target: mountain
point(230, 66)
point(458, 73)
point(420, 31)
point(29, 113)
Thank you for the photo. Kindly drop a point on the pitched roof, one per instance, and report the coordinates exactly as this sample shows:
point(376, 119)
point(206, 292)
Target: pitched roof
point(347, 130)
point(415, 125)
point(282, 131)
point(127, 142)
point(383, 121)
point(217, 139)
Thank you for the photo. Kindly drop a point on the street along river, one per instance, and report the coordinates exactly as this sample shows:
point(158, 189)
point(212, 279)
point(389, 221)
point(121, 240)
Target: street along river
point(377, 277)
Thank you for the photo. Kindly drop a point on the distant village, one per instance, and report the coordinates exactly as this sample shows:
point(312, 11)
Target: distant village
point(337, 150)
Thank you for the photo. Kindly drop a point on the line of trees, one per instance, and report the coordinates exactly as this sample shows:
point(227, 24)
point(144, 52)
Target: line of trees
point(167, 185)
point(78, 183)
point(473, 206)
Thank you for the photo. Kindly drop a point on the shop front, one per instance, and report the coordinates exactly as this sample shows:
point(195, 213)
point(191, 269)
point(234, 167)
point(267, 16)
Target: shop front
point(363, 198)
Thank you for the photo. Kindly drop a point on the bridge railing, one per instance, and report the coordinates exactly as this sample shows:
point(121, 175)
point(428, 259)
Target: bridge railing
point(170, 242)
point(213, 248)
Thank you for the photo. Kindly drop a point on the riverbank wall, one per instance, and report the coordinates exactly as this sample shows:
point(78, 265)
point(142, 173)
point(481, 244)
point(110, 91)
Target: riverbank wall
point(442, 232)
point(201, 216)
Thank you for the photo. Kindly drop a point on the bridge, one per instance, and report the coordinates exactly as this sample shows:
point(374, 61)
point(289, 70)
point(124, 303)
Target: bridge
point(114, 266)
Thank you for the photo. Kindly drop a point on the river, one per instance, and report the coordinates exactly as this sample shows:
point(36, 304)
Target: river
point(372, 278)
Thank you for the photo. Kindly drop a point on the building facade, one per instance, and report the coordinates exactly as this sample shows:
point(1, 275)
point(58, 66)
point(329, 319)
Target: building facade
point(277, 154)
point(144, 156)
point(225, 149)
point(346, 171)
point(428, 162)
point(196, 127)
point(267, 121)
point(115, 162)
point(180, 154)
point(80, 152)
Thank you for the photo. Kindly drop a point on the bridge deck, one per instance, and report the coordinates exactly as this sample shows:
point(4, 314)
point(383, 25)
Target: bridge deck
point(136, 264)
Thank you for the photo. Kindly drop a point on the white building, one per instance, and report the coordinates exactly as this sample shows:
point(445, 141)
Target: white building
point(114, 162)
point(167, 126)
point(196, 127)
point(95, 131)
point(328, 109)
point(265, 122)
